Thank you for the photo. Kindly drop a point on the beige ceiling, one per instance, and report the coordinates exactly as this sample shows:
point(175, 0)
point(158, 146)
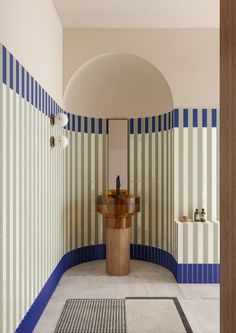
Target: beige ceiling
point(138, 13)
point(118, 85)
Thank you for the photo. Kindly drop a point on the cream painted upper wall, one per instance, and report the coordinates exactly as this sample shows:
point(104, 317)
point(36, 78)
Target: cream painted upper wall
point(188, 58)
point(138, 13)
point(117, 86)
point(32, 32)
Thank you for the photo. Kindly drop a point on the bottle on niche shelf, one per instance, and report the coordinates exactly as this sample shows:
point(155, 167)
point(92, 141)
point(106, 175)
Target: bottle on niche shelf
point(197, 217)
point(203, 215)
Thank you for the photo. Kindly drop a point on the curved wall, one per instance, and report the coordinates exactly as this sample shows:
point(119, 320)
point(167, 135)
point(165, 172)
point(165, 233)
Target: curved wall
point(86, 178)
point(151, 148)
point(48, 213)
point(174, 168)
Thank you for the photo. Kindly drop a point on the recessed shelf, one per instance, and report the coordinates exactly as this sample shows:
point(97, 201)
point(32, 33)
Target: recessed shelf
point(193, 222)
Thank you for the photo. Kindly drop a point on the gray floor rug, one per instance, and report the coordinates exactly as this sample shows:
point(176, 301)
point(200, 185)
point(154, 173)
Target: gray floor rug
point(130, 315)
point(92, 316)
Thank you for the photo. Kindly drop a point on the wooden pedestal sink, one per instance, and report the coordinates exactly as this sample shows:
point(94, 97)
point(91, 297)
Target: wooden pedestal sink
point(117, 211)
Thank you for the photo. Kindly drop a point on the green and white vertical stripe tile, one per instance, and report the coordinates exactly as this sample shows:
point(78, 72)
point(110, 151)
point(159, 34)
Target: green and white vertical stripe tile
point(86, 162)
point(196, 182)
point(30, 201)
point(196, 166)
point(198, 242)
point(174, 168)
point(47, 198)
point(150, 175)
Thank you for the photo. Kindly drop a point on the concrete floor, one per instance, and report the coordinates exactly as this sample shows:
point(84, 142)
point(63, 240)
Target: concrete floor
point(200, 302)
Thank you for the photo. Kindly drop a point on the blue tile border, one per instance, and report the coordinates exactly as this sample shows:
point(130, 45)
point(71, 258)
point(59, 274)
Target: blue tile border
point(4, 66)
point(165, 128)
point(184, 273)
point(139, 125)
point(177, 118)
point(100, 126)
point(214, 118)
point(153, 124)
point(17, 78)
point(146, 125)
point(159, 123)
point(131, 126)
point(185, 117)
point(195, 117)
point(204, 117)
point(72, 258)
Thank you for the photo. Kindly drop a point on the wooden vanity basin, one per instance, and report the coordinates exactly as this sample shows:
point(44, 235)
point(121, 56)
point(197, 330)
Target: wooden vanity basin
point(117, 212)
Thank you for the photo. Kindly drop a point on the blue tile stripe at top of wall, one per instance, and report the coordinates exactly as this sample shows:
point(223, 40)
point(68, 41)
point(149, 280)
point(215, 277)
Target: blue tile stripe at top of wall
point(87, 124)
point(18, 79)
point(177, 118)
point(184, 273)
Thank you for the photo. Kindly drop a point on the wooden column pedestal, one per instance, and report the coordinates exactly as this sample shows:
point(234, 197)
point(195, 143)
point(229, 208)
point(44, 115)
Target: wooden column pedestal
point(118, 251)
point(117, 210)
point(118, 245)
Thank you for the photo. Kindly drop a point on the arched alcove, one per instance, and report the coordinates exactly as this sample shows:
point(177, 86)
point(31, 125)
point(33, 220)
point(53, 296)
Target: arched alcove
point(118, 86)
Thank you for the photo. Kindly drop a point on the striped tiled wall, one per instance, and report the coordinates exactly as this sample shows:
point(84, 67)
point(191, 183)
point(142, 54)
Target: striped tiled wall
point(196, 183)
point(198, 242)
point(151, 177)
point(39, 186)
point(174, 167)
point(196, 162)
point(47, 198)
point(32, 191)
point(86, 178)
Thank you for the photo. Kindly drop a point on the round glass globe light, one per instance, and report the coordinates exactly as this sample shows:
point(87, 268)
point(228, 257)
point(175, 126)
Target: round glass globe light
point(61, 119)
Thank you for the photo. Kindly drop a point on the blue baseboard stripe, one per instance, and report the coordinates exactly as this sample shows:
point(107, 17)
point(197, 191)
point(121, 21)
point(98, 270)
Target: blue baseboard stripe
point(72, 258)
point(184, 273)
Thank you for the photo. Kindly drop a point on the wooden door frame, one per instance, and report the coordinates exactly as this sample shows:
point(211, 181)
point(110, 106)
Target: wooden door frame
point(228, 166)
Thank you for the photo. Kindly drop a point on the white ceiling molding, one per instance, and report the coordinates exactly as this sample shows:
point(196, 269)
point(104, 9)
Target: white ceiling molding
point(138, 13)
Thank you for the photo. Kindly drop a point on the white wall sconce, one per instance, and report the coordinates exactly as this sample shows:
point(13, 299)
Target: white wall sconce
point(59, 119)
point(59, 141)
